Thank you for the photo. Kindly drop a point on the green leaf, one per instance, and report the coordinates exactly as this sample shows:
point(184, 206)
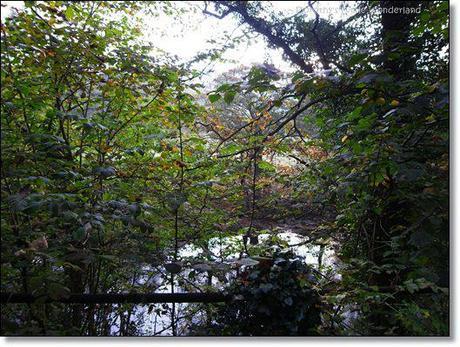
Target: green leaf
point(70, 216)
point(411, 286)
point(265, 165)
point(214, 97)
point(357, 58)
point(229, 96)
point(70, 13)
point(354, 114)
point(79, 234)
point(231, 148)
point(224, 87)
point(425, 16)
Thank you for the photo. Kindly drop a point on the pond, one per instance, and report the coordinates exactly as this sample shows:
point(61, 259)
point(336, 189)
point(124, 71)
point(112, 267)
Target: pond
point(210, 268)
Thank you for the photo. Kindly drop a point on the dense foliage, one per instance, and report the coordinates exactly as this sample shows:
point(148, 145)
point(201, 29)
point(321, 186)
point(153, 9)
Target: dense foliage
point(276, 299)
point(122, 173)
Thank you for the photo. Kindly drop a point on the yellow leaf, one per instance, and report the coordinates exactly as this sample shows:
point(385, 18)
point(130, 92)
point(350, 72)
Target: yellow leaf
point(430, 118)
point(432, 88)
point(380, 101)
point(344, 138)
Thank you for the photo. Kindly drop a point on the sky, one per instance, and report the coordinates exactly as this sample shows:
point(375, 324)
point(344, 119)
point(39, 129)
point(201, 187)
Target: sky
point(187, 39)
point(187, 35)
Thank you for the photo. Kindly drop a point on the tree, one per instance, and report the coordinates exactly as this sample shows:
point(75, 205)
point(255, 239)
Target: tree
point(124, 178)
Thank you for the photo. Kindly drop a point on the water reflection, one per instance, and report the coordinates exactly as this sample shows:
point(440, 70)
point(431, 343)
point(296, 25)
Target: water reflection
point(210, 268)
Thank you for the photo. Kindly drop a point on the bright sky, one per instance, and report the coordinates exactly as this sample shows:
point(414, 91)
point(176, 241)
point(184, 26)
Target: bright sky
point(189, 34)
point(188, 38)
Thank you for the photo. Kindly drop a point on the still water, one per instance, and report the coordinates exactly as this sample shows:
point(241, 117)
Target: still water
point(203, 268)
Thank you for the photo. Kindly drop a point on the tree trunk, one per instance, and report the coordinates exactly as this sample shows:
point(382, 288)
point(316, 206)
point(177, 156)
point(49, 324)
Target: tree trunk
point(396, 20)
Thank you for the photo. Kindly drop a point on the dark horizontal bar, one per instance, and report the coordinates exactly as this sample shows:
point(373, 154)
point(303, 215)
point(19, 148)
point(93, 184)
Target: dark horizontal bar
point(132, 298)
point(140, 298)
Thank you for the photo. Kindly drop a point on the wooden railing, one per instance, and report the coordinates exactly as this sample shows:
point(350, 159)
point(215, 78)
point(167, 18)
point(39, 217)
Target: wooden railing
point(132, 298)
point(141, 298)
